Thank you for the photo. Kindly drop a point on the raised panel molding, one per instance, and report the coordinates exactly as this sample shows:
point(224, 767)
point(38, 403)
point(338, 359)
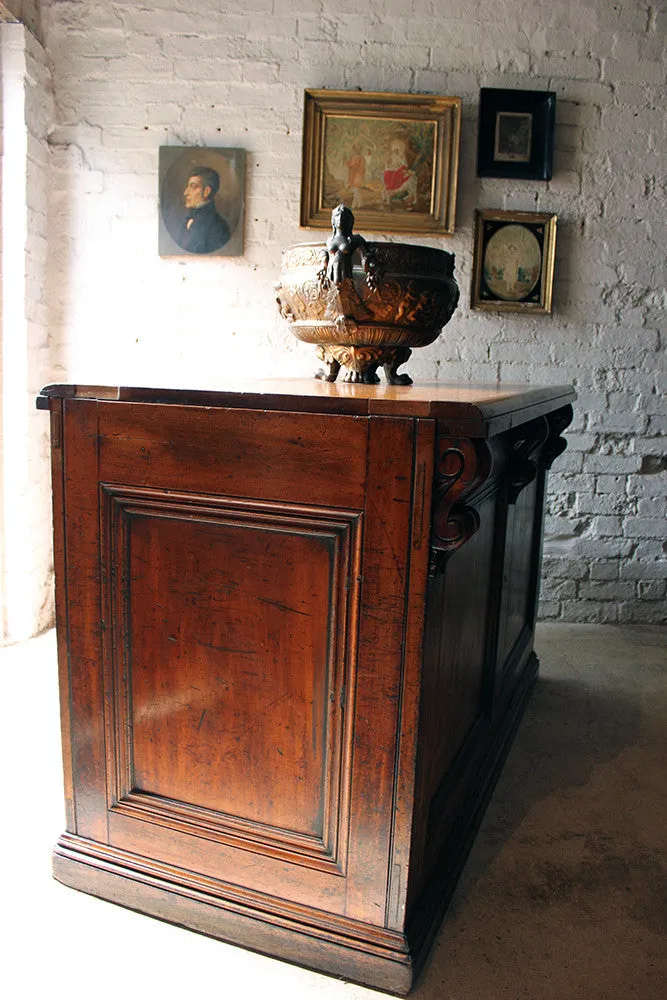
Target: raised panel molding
point(134, 744)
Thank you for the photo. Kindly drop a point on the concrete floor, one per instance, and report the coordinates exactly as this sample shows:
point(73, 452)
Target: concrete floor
point(564, 896)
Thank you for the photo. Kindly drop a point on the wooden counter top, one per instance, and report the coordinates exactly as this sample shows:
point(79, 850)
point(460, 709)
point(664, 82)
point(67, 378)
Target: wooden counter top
point(477, 409)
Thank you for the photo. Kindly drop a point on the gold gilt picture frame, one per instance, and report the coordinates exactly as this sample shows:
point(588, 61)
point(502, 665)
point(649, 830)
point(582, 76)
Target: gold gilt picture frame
point(513, 267)
point(391, 158)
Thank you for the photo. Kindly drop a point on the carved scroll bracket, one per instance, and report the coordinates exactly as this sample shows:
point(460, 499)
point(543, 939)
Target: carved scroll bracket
point(462, 469)
point(525, 444)
point(556, 445)
point(535, 446)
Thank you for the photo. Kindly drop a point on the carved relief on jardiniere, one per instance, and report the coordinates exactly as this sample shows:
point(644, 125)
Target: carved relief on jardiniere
point(357, 295)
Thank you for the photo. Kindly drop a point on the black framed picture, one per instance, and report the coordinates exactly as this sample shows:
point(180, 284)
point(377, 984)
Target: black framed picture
point(513, 262)
point(516, 133)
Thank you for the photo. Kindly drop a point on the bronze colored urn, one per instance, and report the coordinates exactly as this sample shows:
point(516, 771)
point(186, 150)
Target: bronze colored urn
point(365, 304)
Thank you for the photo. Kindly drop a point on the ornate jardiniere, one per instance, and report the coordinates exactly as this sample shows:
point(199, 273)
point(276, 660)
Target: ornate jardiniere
point(365, 304)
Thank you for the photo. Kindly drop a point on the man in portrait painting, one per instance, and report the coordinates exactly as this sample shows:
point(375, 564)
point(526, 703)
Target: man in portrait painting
point(203, 230)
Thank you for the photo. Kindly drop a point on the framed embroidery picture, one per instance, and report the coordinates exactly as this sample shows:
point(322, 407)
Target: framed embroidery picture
point(391, 158)
point(516, 133)
point(513, 267)
point(200, 212)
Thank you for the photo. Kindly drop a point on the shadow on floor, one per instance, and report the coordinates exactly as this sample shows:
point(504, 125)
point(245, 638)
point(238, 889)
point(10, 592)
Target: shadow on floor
point(568, 730)
point(569, 870)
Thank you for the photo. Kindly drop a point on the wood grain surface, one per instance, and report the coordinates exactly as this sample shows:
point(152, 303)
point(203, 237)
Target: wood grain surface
point(295, 639)
point(476, 409)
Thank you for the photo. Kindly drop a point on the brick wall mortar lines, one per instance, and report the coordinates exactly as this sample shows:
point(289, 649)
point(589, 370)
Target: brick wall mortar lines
point(129, 79)
point(39, 111)
point(27, 562)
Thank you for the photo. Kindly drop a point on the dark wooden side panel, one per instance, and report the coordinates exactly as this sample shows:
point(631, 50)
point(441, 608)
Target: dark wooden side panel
point(518, 584)
point(453, 699)
point(83, 609)
point(459, 671)
point(245, 453)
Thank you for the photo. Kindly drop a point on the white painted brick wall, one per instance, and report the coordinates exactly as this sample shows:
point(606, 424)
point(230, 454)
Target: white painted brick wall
point(25, 365)
point(27, 11)
point(131, 77)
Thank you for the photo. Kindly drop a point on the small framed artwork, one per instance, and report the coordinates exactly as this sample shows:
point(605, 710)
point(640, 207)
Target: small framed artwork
point(513, 267)
point(200, 209)
point(391, 158)
point(516, 133)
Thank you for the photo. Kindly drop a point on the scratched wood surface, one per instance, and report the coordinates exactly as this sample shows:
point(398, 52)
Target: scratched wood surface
point(283, 705)
point(477, 409)
point(232, 583)
point(219, 602)
point(58, 487)
point(85, 693)
point(247, 453)
point(219, 615)
point(379, 680)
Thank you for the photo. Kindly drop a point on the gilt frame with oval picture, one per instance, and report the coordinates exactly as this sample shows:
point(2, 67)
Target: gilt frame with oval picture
point(513, 267)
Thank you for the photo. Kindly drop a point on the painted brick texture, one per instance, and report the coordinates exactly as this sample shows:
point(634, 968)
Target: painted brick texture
point(129, 78)
point(25, 535)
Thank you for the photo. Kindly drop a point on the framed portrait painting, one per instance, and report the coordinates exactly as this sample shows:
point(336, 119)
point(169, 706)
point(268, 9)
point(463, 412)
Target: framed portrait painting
point(391, 158)
point(201, 201)
point(516, 133)
point(513, 267)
